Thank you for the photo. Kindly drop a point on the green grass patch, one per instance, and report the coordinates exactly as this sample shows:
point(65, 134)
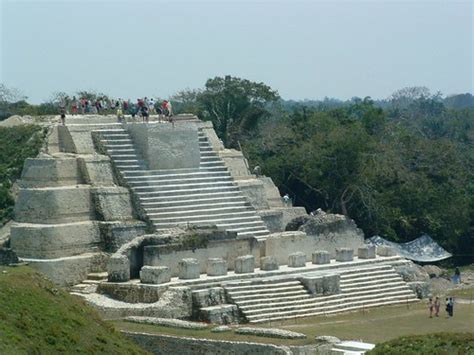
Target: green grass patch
point(431, 344)
point(37, 317)
point(374, 325)
point(465, 293)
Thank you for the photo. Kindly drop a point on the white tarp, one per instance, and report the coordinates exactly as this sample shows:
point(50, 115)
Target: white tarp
point(423, 249)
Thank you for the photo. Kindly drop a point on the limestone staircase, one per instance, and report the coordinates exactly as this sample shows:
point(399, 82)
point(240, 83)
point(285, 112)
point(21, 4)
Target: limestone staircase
point(90, 284)
point(180, 197)
point(284, 298)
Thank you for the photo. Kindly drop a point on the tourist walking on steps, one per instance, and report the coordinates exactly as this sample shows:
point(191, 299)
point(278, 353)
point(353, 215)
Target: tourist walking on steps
point(431, 307)
point(74, 106)
point(437, 305)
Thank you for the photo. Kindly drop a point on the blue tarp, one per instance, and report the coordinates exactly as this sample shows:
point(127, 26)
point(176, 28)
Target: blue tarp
point(423, 249)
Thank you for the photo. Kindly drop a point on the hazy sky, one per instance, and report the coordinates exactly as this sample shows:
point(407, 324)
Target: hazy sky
point(304, 49)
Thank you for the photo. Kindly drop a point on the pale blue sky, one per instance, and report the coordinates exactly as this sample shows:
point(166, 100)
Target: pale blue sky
point(304, 49)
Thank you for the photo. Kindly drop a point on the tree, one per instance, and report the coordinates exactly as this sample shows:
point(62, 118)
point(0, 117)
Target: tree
point(234, 105)
point(10, 95)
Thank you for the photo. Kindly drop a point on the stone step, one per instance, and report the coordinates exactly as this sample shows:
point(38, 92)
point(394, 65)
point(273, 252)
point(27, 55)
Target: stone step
point(83, 288)
point(222, 222)
point(360, 271)
point(270, 296)
point(205, 163)
point(321, 301)
point(312, 313)
point(191, 213)
point(193, 174)
point(163, 172)
point(350, 305)
point(192, 199)
point(210, 158)
point(112, 136)
point(377, 286)
point(118, 146)
point(183, 186)
point(354, 346)
point(372, 275)
point(196, 207)
point(98, 275)
point(200, 218)
point(121, 150)
point(123, 156)
point(129, 167)
point(180, 180)
point(211, 201)
point(175, 194)
point(282, 298)
point(256, 286)
point(257, 230)
point(265, 292)
point(374, 280)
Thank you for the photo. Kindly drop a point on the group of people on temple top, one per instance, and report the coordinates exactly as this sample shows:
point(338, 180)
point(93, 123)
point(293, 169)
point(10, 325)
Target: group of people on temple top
point(143, 107)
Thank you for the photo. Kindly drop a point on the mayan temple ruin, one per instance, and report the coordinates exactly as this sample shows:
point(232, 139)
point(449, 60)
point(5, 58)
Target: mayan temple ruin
point(160, 220)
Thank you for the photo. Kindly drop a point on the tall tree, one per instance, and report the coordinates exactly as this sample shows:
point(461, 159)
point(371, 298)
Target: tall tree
point(234, 105)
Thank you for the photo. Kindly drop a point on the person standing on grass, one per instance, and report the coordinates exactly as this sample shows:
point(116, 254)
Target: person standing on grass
point(437, 305)
point(431, 307)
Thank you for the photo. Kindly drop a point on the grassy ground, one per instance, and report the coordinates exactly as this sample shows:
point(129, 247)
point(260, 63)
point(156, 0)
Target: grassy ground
point(36, 317)
point(376, 325)
point(432, 344)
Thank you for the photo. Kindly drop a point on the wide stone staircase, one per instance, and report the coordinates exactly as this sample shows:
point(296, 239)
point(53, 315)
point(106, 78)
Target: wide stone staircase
point(181, 197)
point(285, 297)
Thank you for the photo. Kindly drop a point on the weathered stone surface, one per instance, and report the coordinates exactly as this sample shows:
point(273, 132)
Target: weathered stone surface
point(112, 203)
point(174, 323)
point(383, 250)
point(165, 344)
point(321, 257)
point(327, 339)
point(253, 189)
point(216, 267)
point(96, 170)
point(344, 254)
point(433, 270)
point(270, 332)
point(7, 256)
point(326, 284)
point(54, 205)
point(69, 270)
point(366, 252)
point(220, 314)
point(118, 268)
point(41, 172)
point(211, 296)
point(155, 274)
point(297, 259)
point(331, 284)
point(244, 264)
point(236, 163)
point(421, 289)
point(412, 272)
point(117, 233)
point(44, 241)
point(269, 263)
point(189, 269)
point(167, 146)
point(221, 329)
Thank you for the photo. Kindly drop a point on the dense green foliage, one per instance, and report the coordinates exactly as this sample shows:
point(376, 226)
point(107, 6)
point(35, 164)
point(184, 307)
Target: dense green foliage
point(397, 174)
point(38, 318)
point(429, 344)
point(17, 143)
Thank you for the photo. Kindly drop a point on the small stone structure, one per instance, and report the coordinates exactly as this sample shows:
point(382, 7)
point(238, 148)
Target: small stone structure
point(268, 263)
point(366, 252)
point(155, 274)
point(321, 257)
point(216, 267)
point(118, 268)
point(297, 259)
point(344, 254)
point(384, 250)
point(244, 264)
point(189, 269)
